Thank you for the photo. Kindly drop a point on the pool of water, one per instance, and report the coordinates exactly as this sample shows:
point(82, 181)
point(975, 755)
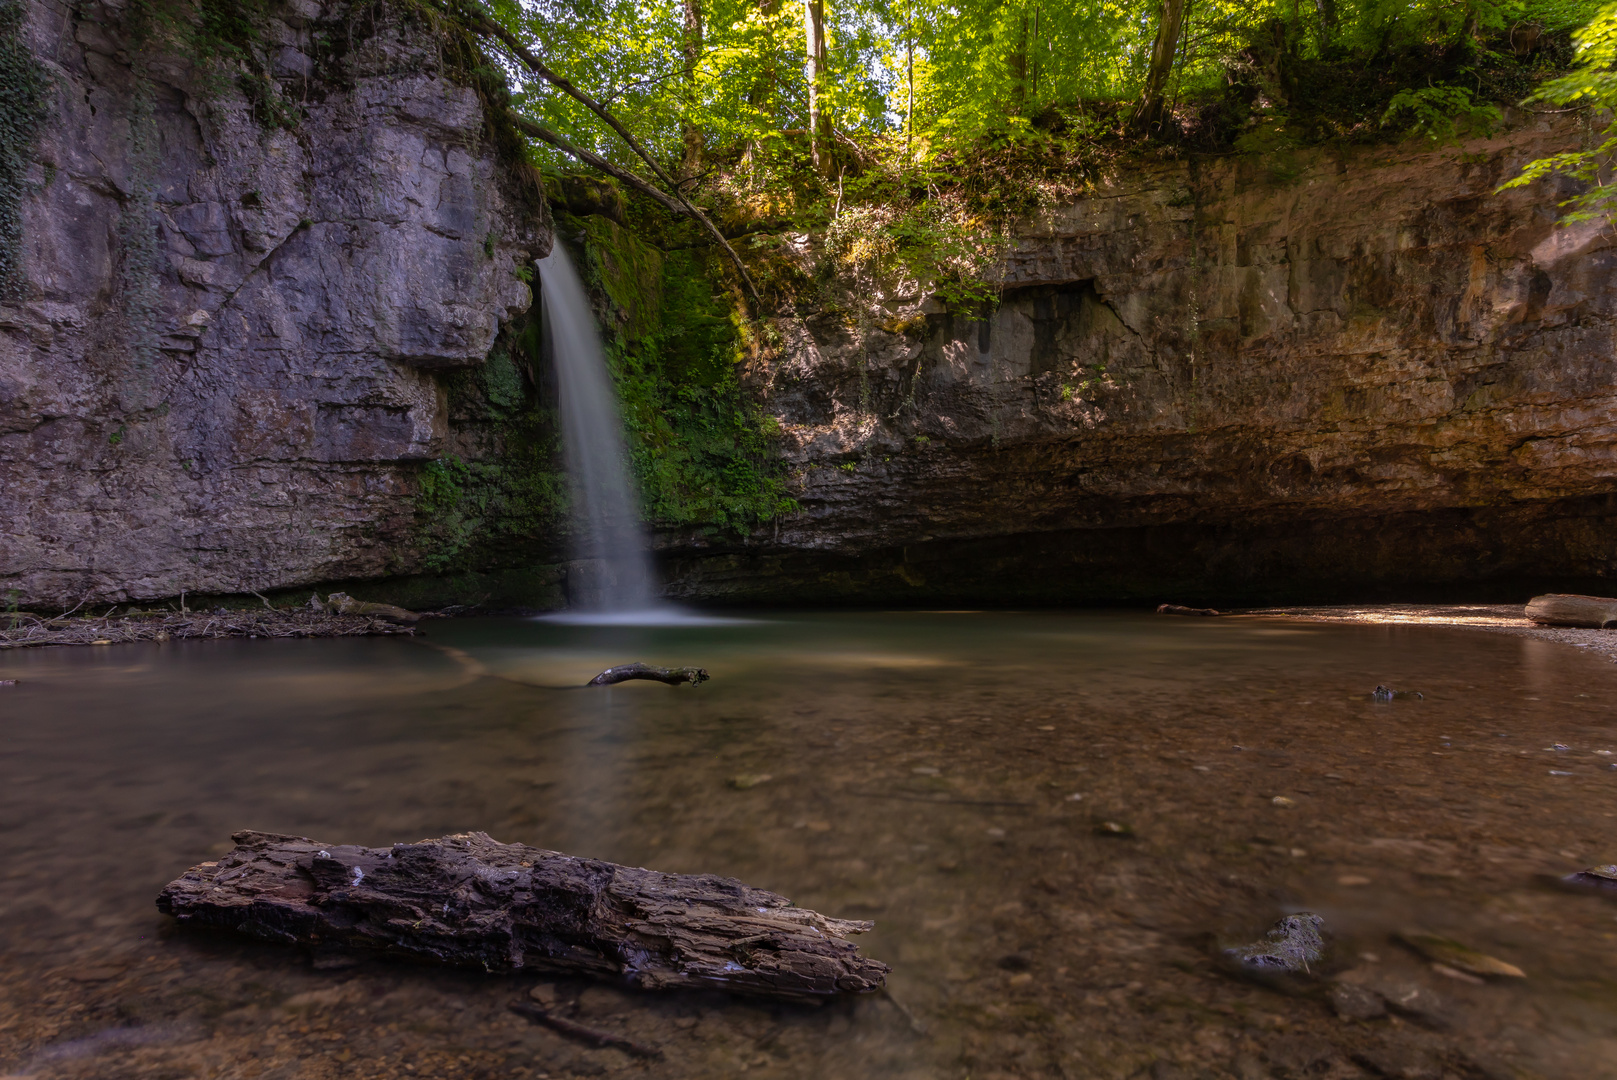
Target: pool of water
point(949, 775)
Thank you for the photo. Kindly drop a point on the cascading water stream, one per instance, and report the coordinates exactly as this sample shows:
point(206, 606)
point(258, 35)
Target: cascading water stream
point(614, 578)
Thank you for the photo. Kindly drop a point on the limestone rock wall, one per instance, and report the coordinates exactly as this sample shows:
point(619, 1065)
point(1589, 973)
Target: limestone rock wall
point(222, 375)
point(1210, 380)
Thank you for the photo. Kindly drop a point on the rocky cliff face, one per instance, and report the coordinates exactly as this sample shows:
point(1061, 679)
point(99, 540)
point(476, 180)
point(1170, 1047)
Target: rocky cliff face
point(1214, 381)
point(1235, 379)
point(224, 371)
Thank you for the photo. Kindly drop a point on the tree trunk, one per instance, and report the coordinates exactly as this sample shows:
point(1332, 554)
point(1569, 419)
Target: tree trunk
point(1570, 609)
point(818, 122)
point(909, 69)
point(692, 48)
point(469, 901)
point(1149, 113)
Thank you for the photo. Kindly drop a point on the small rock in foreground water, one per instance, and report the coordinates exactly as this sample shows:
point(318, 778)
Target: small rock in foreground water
point(1387, 693)
point(1353, 1002)
point(1292, 946)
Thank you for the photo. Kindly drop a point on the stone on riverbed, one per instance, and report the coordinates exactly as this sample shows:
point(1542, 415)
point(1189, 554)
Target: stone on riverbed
point(1292, 947)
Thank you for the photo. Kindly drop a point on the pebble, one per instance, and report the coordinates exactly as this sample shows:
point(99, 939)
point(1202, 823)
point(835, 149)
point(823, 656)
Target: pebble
point(1559, 772)
point(1353, 880)
point(749, 780)
point(1113, 828)
point(8, 682)
point(1078, 796)
point(996, 834)
point(1281, 800)
point(544, 994)
point(925, 770)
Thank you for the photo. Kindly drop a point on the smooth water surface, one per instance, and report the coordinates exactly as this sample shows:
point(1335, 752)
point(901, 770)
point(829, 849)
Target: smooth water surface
point(946, 774)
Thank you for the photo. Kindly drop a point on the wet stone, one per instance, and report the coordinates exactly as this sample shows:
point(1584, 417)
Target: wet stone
point(1293, 946)
point(1353, 1002)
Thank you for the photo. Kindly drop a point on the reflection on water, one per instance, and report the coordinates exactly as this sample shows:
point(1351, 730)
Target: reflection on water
point(945, 774)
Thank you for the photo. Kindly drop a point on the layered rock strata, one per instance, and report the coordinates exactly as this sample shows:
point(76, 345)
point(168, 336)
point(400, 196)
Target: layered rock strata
point(1212, 380)
point(242, 286)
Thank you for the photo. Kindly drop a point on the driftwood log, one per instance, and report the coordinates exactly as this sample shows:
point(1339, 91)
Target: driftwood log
point(1180, 609)
point(672, 676)
point(470, 901)
point(1570, 609)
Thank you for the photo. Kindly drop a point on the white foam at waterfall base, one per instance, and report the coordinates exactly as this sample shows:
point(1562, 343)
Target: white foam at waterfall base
point(610, 583)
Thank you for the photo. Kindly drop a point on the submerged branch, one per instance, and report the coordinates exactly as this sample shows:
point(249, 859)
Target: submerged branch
point(672, 676)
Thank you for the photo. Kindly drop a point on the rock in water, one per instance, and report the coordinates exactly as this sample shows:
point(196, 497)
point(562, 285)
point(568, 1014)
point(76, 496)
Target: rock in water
point(1601, 878)
point(470, 901)
point(1387, 693)
point(1292, 947)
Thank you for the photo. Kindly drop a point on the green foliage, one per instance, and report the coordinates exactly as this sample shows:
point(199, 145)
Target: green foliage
point(23, 86)
point(1592, 84)
point(700, 448)
point(1440, 112)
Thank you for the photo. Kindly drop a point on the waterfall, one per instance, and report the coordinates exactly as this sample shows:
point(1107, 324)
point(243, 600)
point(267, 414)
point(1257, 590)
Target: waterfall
point(613, 574)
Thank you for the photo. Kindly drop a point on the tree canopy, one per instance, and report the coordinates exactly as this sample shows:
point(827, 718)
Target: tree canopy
point(912, 79)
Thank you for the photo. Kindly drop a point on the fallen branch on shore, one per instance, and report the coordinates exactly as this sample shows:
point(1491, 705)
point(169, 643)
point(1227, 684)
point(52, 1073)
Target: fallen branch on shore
point(1570, 609)
point(470, 901)
point(1180, 609)
point(21, 630)
point(672, 676)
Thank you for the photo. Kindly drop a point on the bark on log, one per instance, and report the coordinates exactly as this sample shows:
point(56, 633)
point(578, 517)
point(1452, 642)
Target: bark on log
point(672, 676)
point(470, 901)
point(1570, 609)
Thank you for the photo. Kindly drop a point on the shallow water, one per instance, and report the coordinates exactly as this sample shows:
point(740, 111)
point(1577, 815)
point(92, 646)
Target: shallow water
point(923, 770)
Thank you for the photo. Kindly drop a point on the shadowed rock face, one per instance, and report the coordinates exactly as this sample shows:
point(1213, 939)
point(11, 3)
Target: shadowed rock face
point(1209, 382)
point(222, 374)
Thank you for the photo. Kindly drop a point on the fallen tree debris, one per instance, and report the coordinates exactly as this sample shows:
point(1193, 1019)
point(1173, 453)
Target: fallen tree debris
point(469, 901)
point(671, 676)
point(1180, 609)
point(593, 1036)
point(1571, 609)
point(343, 604)
point(20, 630)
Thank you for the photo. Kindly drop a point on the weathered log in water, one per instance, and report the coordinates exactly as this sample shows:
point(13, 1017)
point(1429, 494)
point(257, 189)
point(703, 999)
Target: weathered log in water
point(1571, 609)
point(470, 901)
point(672, 676)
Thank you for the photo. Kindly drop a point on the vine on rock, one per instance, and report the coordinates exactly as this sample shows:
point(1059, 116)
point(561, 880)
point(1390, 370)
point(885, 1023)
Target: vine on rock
point(23, 86)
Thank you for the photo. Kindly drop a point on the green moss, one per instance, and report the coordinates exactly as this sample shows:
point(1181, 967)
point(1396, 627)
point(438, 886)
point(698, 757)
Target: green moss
point(507, 506)
point(23, 85)
point(703, 453)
